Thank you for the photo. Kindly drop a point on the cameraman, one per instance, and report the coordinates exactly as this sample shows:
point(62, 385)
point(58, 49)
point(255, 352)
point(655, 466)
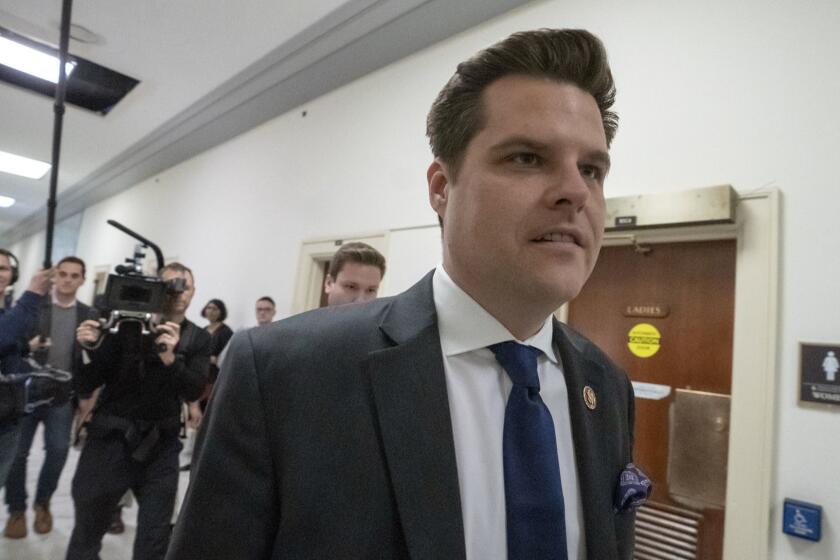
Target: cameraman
point(15, 322)
point(133, 437)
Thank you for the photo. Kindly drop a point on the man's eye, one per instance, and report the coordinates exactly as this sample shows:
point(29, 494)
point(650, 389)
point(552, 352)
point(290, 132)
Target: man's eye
point(525, 158)
point(592, 172)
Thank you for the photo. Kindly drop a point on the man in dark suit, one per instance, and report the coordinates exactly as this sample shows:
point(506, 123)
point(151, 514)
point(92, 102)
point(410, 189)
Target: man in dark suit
point(458, 419)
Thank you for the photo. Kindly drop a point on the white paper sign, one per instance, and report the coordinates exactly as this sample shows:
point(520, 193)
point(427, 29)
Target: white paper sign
point(651, 391)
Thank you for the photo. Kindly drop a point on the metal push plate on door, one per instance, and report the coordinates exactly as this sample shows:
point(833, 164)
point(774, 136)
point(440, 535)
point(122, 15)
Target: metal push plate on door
point(699, 448)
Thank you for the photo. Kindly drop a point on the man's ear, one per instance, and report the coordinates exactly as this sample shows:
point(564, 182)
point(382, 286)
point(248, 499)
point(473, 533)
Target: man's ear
point(328, 283)
point(439, 184)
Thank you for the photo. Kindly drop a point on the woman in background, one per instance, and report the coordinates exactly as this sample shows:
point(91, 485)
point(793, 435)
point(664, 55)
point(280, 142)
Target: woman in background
point(216, 312)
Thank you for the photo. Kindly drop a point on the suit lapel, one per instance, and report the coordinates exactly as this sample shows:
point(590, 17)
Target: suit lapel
point(589, 433)
point(412, 406)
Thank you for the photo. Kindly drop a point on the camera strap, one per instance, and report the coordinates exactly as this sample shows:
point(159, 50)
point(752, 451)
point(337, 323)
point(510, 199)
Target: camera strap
point(141, 436)
point(186, 338)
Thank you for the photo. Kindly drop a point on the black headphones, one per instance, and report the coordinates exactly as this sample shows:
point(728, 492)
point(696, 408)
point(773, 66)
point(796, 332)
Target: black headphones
point(13, 261)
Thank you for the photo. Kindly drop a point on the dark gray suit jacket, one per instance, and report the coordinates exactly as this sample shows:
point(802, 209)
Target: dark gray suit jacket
point(329, 436)
point(44, 324)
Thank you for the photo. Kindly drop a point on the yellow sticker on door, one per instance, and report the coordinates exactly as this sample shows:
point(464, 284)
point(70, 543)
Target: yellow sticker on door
point(644, 340)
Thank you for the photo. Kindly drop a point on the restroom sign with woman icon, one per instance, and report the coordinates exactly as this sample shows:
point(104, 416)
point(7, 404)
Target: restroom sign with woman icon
point(830, 366)
point(820, 373)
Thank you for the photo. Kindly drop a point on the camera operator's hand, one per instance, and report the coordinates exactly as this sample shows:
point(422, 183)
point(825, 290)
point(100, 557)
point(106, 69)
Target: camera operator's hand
point(41, 282)
point(88, 332)
point(86, 406)
point(170, 334)
point(195, 415)
point(39, 343)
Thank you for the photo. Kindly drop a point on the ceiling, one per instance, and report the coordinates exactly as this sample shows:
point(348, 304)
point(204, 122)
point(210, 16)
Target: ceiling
point(208, 70)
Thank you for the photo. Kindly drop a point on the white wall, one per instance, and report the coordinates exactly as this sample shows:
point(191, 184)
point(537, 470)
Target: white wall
point(30, 253)
point(412, 253)
point(709, 92)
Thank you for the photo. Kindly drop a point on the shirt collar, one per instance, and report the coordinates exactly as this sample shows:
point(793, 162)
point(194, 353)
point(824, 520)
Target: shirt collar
point(465, 326)
point(58, 304)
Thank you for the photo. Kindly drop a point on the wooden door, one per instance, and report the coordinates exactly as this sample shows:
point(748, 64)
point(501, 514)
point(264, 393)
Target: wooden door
point(666, 317)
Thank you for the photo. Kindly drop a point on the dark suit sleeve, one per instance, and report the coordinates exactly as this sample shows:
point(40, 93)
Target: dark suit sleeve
point(16, 323)
point(231, 509)
point(37, 328)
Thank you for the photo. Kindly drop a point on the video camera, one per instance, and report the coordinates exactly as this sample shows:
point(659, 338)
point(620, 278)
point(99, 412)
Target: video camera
point(130, 295)
point(22, 393)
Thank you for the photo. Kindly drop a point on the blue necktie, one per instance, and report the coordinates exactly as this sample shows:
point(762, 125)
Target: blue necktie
point(536, 522)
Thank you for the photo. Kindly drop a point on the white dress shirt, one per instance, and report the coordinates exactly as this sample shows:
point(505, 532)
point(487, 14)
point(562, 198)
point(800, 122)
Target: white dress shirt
point(478, 390)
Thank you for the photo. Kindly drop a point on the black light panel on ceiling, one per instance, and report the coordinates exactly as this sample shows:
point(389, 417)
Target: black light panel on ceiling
point(89, 85)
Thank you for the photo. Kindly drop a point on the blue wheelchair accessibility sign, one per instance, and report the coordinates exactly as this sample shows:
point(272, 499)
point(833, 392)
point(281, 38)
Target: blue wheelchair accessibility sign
point(802, 520)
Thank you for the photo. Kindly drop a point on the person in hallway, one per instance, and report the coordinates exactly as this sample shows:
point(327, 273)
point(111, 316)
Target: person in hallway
point(15, 322)
point(132, 440)
point(220, 333)
point(458, 419)
point(265, 310)
point(354, 274)
point(52, 341)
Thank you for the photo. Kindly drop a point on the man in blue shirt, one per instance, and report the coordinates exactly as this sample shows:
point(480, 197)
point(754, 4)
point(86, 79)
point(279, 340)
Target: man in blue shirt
point(15, 322)
point(52, 343)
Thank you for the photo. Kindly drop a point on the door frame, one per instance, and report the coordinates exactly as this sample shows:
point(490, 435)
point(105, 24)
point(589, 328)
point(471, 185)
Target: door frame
point(752, 431)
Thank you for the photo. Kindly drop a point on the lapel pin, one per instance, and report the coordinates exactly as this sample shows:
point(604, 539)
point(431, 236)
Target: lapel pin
point(589, 397)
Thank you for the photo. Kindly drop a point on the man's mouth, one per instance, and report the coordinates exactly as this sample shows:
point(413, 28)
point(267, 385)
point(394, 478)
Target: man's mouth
point(557, 237)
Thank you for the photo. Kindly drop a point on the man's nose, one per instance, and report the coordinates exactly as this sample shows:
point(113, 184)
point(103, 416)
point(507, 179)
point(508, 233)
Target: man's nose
point(568, 187)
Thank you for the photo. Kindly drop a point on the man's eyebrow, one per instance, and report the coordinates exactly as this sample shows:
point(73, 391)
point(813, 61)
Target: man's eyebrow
point(600, 157)
point(519, 142)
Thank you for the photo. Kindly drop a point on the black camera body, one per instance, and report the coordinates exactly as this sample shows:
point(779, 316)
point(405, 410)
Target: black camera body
point(138, 300)
point(135, 294)
point(132, 296)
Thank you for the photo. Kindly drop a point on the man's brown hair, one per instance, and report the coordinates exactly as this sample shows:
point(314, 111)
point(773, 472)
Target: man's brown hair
point(356, 252)
point(177, 267)
point(572, 56)
point(268, 299)
point(74, 260)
